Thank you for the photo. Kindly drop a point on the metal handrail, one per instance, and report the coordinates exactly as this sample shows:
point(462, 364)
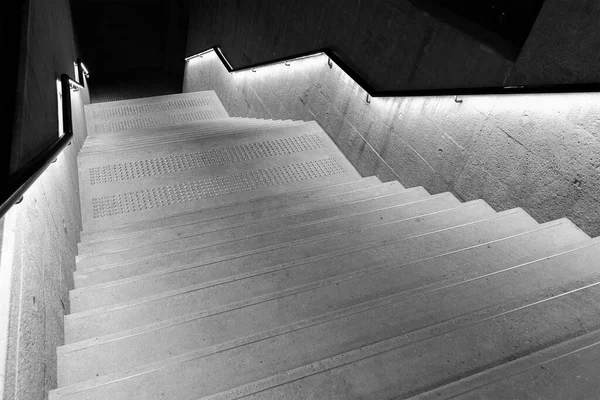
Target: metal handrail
point(20, 181)
point(372, 92)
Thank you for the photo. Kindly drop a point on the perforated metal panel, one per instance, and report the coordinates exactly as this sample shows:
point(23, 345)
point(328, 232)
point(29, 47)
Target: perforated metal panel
point(156, 121)
point(182, 162)
point(212, 187)
point(117, 112)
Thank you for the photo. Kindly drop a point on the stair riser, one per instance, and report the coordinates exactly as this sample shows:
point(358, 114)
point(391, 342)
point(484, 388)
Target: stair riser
point(408, 251)
point(105, 143)
point(264, 205)
point(437, 271)
point(169, 106)
point(282, 230)
point(78, 328)
point(300, 213)
point(314, 343)
point(205, 202)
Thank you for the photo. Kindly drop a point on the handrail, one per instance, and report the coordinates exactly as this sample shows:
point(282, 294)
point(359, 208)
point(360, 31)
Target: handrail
point(372, 92)
point(20, 181)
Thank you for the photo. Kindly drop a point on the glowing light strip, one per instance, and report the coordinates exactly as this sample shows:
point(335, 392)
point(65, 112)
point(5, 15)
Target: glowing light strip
point(85, 70)
point(75, 85)
point(371, 92)
point(199, 54)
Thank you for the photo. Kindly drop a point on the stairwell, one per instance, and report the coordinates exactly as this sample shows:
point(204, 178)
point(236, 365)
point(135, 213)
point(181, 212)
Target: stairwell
point(227, 258)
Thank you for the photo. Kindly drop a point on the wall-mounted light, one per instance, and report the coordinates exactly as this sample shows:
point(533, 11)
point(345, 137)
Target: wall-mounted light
point(287, 63)
point(457, 99)
point(330, 63)
point(85, 70)
point(368, 99)
point(75, 86)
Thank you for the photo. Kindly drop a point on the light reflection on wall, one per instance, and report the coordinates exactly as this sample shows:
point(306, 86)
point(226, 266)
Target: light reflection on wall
point(540, 152)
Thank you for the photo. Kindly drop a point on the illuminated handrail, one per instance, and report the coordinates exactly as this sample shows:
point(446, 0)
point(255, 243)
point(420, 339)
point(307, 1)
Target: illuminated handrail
point(20, 181)
point(372, 92)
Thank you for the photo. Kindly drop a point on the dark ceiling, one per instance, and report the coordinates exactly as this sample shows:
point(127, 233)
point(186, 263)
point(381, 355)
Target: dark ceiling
point(504, 24)
point(124, 36)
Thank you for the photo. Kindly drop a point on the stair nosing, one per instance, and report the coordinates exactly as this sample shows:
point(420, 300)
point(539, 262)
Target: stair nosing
point(162, 364)
point(329, 219)
point(281, 195)
point(381, 266)
point(133, 303)
point(298, 241)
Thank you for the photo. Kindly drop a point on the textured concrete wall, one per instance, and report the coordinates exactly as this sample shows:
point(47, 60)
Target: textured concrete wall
point(541, 153)
point(563, 45)
point(394, 45)
point(39, 235)
point(391, 43)
point(50, 51)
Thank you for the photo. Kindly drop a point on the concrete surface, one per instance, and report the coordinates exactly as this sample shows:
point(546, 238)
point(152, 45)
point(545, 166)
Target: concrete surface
point(392, 43)
point(538, 152)
point(44, 228)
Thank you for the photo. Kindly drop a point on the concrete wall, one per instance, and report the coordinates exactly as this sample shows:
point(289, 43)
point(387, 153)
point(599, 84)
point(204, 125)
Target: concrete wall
point(39, 235)
point(395, 45)
point(391, 43)
point(50, 51)
point(541, 153)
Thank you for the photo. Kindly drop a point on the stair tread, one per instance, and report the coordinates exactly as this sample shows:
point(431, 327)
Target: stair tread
point(84, 324)
point(330, 205)
point(125, 115)
point(274, 202)
point(423, 268)
point(336, 239)
point(234, 367)
point(217, 232)
point(568, 370)
point(171, 137)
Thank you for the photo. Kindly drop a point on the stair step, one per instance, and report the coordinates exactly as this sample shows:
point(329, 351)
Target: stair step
point(104, 321)
point(174, 137)
point(123, 200)
point(217, 232)
point(419, 265)
point(449, 319)
point(176, 132)
point(247, 182)
point(122, 116)
point(331, 205)
point(404, 250)
point(85, 297)
point(268, 205)
point(568, 370)
point(378, 231)
point(228, 145)
point(218, 124)
point(420, 203)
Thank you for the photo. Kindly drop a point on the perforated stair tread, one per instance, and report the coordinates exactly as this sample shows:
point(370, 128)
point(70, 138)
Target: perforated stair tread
point(206, 233)
point(266, 205)
point(122, 116)
point(331, 205)
point(166, 138)
point(226, 173)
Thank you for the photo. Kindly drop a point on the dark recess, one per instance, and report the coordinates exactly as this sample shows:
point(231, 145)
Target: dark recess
point(11, 25)
point(503, 24)
point(130, 44)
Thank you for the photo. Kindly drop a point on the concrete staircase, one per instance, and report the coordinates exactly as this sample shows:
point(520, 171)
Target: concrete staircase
point(227, 258)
